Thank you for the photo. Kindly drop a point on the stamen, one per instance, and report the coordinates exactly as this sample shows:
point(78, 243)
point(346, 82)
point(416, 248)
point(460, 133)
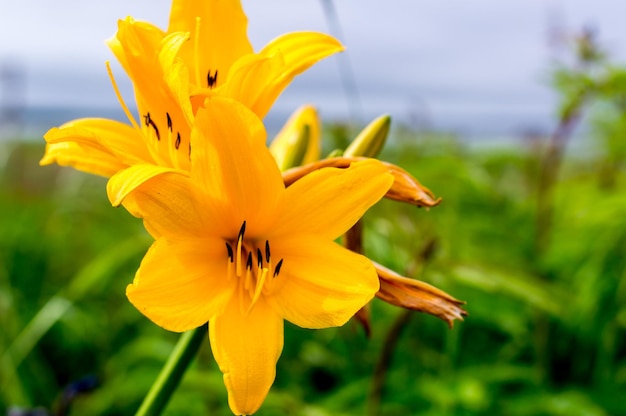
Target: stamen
point(242, 231)
point(248, 280)
point(129, 115)
point(196, 51)
point(231, 258)
point(169, 121)
point(230, 253)
point(249, 262)
point(212, 80)
point(150, 122)
point(177, 143)
point(277, 269)
point(259, 258)
point(260, 283)
point(267, 251)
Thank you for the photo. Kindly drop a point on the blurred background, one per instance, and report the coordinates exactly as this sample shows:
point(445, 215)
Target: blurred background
point(513, 112)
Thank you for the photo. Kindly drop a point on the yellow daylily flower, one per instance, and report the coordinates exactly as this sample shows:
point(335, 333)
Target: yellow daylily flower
point(234, 247)
point(204, 52)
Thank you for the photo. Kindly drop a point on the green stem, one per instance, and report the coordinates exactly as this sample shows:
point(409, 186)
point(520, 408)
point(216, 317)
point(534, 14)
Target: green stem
point(173, 371)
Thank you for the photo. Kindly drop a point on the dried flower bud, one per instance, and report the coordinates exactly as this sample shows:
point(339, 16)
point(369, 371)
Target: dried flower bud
point(417, 295)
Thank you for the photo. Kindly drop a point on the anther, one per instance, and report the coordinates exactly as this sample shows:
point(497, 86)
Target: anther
point(277, 269)
point(249, 261)
point(212, 79)
point(169, 121)
point(242, 231)
point(267, 251)
point(177, 143)
point(231, 256)
point(259, 258)
point(150, 122)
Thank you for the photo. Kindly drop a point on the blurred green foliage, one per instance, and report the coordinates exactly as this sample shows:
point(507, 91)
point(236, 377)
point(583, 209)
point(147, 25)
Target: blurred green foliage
point(531, 236)
point(545, 334)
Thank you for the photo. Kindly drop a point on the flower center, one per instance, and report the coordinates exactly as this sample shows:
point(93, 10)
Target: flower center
point(251, 264)
point(151, 130)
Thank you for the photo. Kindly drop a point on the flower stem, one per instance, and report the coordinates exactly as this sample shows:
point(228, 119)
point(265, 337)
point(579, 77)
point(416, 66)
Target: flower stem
point(173, 371)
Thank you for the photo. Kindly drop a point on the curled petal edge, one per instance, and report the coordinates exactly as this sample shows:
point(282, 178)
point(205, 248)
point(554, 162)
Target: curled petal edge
point(405, 187)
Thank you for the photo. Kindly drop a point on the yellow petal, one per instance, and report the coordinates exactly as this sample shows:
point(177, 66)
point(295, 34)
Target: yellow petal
point(329, 201)
point(167, 200)
point(221, 40)
point(231, 161)
point(135, 45)
point(320, 283)
point(180, 286)
point(127, 180)
point(103, 137)
point(405, 187)
point(142, 48)
point(84, 158)
point(258, 80)
point(176, 75)
point(246, 348)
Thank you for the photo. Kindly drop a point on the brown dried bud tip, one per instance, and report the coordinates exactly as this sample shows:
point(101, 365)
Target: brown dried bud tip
point(417, 295)
point(405, 187)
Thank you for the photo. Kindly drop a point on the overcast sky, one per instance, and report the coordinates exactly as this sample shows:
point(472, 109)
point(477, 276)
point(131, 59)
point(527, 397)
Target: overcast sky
point(450, 61)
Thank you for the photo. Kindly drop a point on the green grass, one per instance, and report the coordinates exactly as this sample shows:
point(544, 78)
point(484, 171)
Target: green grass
point(545, 333)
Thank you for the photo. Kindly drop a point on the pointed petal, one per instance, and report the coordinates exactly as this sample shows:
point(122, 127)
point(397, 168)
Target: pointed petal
point(232, 163)
point(329, 201)
point(169, 203)
point(221, 40)
point(258, 80)
point(246, 348)
point(142, 48)
point(320, 283)
point(107, 138)
point(121, 184)
point(180, 286)
point(84, 158)
point(176, 75)
point(135, 45)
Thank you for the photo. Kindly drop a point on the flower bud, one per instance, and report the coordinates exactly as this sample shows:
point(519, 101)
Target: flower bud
point(298, 142)
point(371, 139)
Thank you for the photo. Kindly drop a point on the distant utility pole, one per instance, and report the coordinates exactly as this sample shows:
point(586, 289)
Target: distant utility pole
point(345, 68)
